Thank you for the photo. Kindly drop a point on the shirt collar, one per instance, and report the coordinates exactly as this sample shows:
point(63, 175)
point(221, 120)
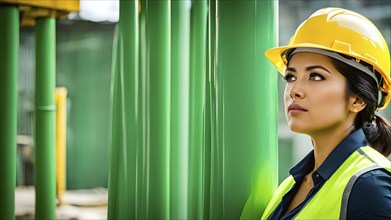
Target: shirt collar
point(334, 160)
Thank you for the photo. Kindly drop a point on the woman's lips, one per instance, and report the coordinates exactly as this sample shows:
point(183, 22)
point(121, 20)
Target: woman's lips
point(296, 109)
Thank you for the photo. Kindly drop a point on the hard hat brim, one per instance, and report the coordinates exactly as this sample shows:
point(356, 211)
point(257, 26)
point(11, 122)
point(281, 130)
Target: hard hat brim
point(276, 55)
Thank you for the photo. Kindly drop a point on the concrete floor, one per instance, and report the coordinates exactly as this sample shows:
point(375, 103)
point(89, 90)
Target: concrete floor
point(76, 204)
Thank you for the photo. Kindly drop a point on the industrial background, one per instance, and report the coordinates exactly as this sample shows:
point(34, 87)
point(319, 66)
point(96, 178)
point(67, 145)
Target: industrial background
point(217, 150)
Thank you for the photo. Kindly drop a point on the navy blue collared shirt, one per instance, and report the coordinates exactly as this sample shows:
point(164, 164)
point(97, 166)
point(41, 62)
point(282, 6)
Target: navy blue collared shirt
point(370, 197)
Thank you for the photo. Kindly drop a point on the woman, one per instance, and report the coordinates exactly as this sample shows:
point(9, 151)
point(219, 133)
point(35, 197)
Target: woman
point(337, 72)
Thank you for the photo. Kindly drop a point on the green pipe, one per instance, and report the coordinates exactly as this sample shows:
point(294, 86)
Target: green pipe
point(141, 196)
point(180, 58)
point(207, 128)
point(216, 178)
point(45, 147)
point(124, 128)
point(120, 123)
point(246, 99)
point(266, 165)
point(114, 132)
point(128, 24)
point(216, 154)
point(124, 138)
point(197, 109)
point(159, 44)
point(9, 51)
point(210, 116)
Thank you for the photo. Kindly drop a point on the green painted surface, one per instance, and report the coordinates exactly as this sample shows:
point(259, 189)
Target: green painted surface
point(246, 107)
point(141, 143)
point(142, 120)
point(9, 44)
point(122, 182)
point(180, 75)
point(207, 112)
point(116, 139)
point(215, 189)
point(84, 53)
point(45, 119)
point(158, 84)
point(197, 110)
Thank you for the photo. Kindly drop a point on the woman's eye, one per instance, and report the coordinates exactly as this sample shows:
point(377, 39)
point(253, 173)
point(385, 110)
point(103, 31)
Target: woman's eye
point(316, 77)
point(289, 78)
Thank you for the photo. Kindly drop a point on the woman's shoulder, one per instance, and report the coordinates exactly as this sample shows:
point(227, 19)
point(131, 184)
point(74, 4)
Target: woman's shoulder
point(378, 174)
point(370, 197)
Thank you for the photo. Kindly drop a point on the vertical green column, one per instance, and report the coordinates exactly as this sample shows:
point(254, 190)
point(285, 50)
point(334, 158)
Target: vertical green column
point(9, 51)
point(179, 156)
point(45, 170)
point(142, 175)
point(159, 52)
point(246, 105)
point(115, 135)
point(197, 109)
point(266, 165)
point(207, 125)
point(215, 191)
point(124, 126)
point(128, 24)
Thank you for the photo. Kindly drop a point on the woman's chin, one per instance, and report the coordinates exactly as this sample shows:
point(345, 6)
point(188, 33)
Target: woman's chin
point(298, 129)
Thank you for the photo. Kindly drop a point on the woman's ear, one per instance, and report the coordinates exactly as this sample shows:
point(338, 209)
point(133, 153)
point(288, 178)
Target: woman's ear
point(356, 104)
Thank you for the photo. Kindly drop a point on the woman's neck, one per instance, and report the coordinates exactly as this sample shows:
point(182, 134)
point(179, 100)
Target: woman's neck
point(325, 141)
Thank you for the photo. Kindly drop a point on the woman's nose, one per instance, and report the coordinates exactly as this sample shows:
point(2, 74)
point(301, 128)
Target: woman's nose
point(296, 92)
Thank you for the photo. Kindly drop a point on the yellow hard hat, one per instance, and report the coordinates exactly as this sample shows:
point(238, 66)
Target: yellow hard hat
point(345, 32)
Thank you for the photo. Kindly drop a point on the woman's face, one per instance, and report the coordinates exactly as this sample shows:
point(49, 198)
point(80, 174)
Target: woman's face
point(315, 94)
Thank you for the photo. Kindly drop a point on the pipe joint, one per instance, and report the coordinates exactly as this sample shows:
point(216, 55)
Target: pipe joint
point(51, 108)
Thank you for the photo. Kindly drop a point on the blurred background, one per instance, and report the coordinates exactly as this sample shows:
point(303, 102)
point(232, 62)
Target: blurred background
point(84, 47)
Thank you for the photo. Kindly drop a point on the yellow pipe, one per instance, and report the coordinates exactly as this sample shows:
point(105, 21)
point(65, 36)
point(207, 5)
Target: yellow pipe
point(61, 118)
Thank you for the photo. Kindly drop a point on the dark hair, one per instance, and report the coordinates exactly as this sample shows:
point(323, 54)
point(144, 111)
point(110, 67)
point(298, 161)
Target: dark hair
point(376, 128)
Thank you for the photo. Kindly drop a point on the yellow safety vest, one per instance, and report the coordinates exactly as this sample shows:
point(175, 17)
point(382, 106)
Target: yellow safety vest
point(331, 201)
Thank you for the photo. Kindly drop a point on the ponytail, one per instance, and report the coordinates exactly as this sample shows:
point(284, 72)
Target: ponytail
point(378, 133)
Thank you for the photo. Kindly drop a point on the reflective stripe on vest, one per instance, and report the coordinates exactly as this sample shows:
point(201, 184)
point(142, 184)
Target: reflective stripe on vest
point(331, 201)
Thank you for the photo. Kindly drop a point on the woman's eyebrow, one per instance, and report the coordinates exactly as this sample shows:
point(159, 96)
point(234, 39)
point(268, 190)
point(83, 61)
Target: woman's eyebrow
point(309, 68)
point(290, 69)
point(317, 67)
